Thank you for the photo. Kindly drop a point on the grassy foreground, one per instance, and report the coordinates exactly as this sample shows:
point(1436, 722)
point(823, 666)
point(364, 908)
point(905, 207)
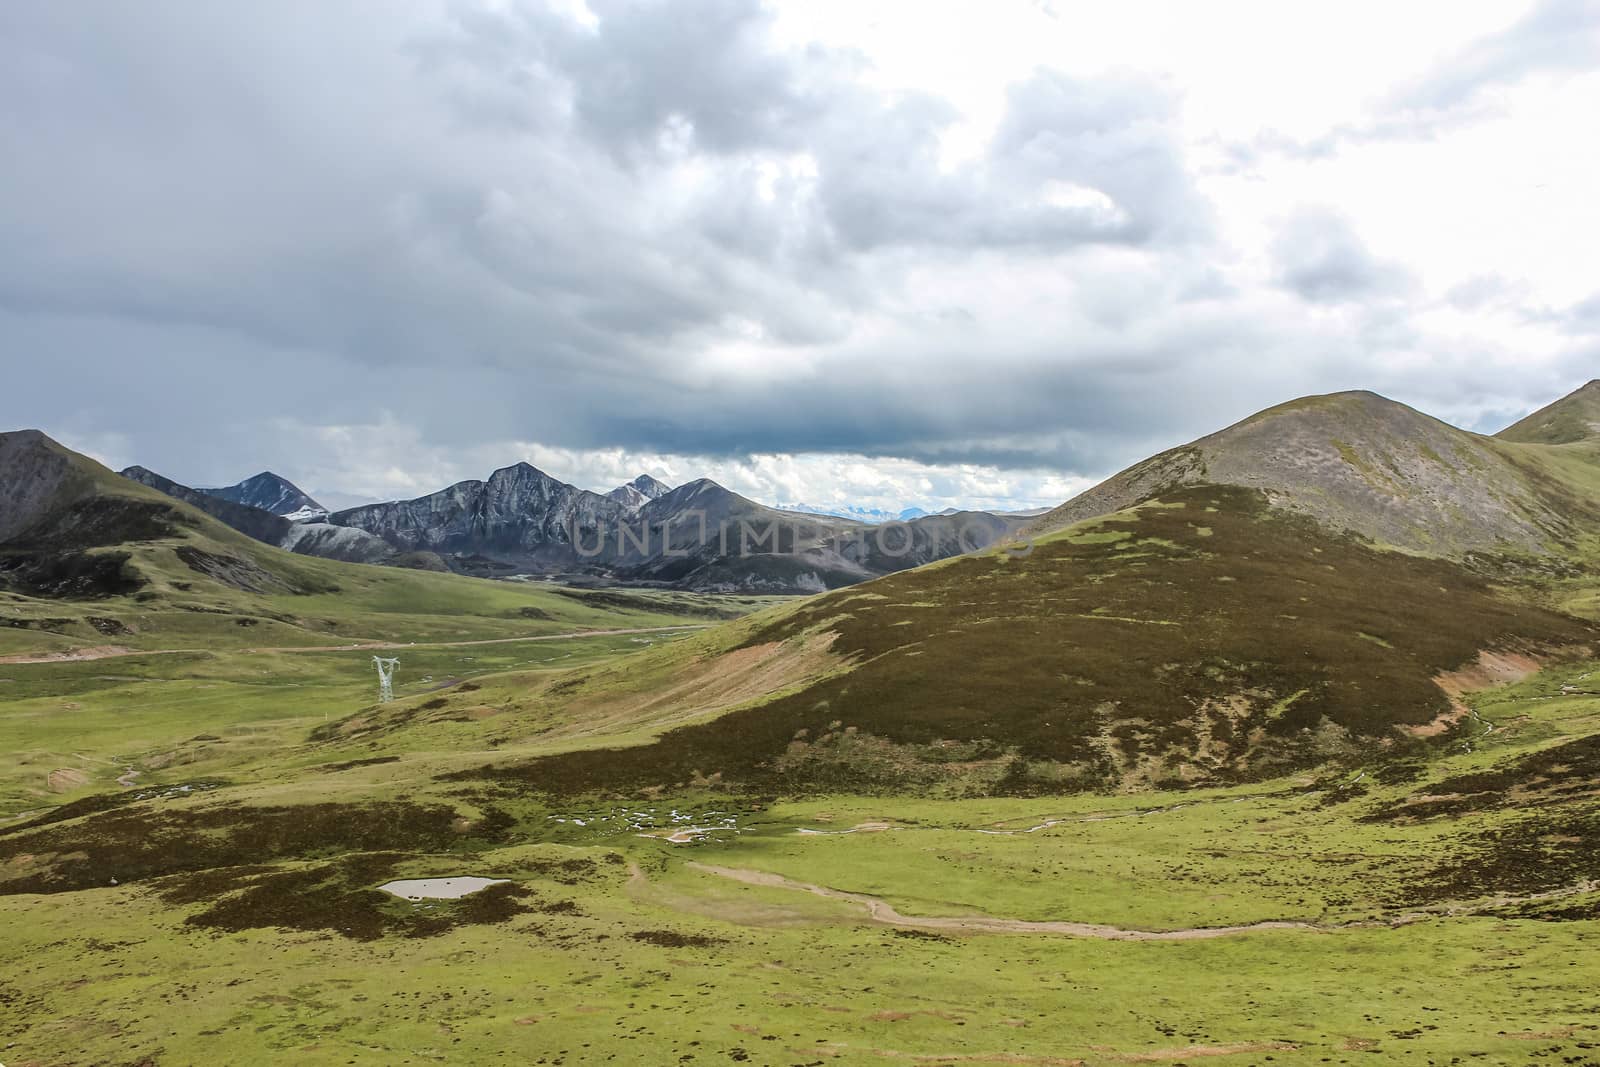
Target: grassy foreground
point(244, 925)
point(199, 802)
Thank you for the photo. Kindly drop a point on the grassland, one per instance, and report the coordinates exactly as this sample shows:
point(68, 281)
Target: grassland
point(1196, 640)
point(244, 925)
point(855, 829)
point(615, 947)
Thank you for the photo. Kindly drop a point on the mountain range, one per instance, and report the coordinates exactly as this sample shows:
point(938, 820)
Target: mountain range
point(1320, 579)
point(520, 520)
point(272, 493)
point(1319, 583)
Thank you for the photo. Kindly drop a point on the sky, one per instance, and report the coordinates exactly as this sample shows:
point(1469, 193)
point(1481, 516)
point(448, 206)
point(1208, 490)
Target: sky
point(833, 252)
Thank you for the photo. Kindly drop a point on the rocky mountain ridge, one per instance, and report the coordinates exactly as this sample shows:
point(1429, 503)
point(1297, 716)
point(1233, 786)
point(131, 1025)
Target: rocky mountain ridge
point(271, 493)
point(306, 538)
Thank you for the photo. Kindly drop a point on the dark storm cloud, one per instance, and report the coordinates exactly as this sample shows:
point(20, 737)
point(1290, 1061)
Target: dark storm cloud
point(470, 222)
point(227, 226)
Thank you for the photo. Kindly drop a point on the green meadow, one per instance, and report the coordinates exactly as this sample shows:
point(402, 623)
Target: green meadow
point(720, 835)
point(244, 923)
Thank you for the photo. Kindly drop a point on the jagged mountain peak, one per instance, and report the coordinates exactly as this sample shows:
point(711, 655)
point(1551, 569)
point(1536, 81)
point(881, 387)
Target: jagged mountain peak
point(639, 492)
point(270, 492)
point(520, 471)
point(650, 487)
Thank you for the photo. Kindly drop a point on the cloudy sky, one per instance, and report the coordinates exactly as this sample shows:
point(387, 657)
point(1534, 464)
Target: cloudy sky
point(824, 252)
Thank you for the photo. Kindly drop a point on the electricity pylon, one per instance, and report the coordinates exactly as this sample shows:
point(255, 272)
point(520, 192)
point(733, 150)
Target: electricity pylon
point(385, 678)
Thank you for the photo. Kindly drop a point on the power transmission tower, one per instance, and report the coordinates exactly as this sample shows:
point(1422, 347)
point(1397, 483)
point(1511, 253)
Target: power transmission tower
point(385, 678)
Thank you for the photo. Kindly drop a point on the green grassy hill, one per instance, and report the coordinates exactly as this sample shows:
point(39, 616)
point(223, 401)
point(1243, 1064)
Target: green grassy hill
point(1572, 419)
point(1199, 780)
point(1202, 637)
point(1358, 462)
point(89, 558)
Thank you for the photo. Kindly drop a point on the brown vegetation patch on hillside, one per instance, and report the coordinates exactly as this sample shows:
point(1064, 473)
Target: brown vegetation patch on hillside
point(1204, 637)
point(131, 844)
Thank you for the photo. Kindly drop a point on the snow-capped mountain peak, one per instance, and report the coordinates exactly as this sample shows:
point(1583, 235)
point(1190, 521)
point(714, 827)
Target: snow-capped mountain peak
point(273, 493)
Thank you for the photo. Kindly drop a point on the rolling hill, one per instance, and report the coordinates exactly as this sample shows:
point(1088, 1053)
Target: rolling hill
point(1360, 463)
point(1574, 419)
point(1312, 585)
point(1140, 794)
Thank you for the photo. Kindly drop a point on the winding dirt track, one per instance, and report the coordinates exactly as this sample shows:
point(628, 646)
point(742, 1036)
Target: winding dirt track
point(882, 911)
point(82, 655)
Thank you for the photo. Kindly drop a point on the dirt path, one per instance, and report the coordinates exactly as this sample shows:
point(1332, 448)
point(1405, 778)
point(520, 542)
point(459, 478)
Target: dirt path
point(882, 911)
point(80, 655)
point(385, 645)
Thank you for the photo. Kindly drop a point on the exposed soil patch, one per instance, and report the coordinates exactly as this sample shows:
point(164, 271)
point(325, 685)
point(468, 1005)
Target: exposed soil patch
point(1491, 669)
point(697, 690)
point(66, 779)
point(1171, 1055)
point(71, 655)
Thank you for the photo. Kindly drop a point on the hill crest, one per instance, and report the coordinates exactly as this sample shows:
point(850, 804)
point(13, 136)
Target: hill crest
point(1573, 418)
point(1360, 463)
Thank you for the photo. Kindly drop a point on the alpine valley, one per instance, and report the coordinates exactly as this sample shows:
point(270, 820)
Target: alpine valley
point(1279, 746)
